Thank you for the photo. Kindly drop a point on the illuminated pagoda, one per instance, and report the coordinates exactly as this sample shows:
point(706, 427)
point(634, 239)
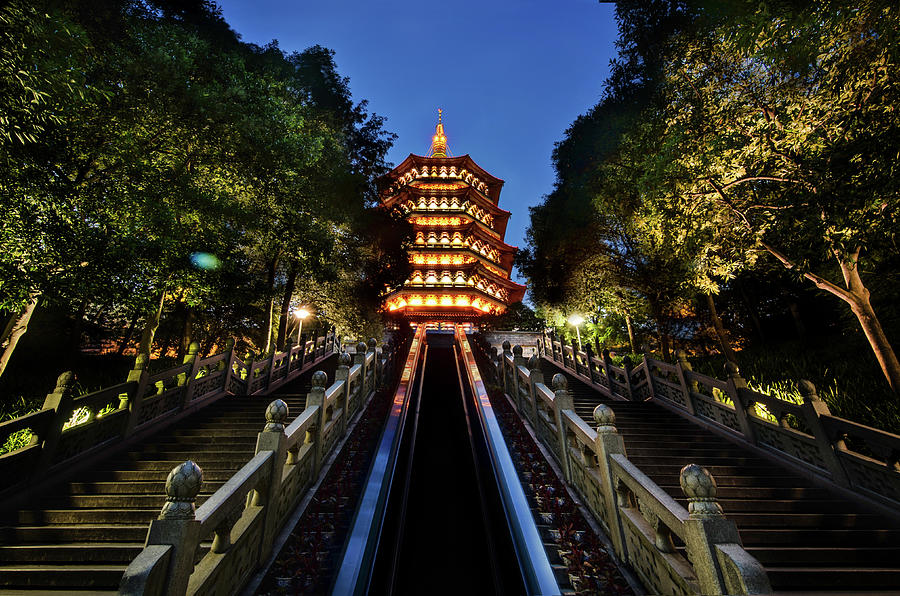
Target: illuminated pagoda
point(460, 263)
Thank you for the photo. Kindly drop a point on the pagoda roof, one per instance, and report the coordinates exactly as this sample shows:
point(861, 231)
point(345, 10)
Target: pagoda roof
point(462, 162)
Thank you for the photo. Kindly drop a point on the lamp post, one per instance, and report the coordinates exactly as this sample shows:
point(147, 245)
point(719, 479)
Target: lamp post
point(300, 313)
point(575, 321)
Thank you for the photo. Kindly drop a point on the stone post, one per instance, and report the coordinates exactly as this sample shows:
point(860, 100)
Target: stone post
point(316, 397)
point(707, 531)
point(682, 366)
point(176, 525)
point(376, 362)
point(343, 374)
point(187, 378)
point(813, 409)
point(140, 376)
point(562, 400)
point(504, 372)
point(607, 443)
point(272, 438)
point(60, 400)
point(607, 361)
point(229, 363)
point(628, 366)
point(737, 389)
point(589, 357)
point(518, 360)
point(535, 376)
point(360, 358)
point(562, 350)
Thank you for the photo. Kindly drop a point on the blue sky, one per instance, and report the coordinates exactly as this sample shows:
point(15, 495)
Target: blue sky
point(510, 76)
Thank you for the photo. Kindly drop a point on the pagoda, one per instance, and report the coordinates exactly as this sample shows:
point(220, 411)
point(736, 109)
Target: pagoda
point(460, 264)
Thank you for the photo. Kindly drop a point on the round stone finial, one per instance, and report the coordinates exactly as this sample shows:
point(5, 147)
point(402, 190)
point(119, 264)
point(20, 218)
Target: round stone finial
point(506, 345)
point(560, 382)
point(276, 414)
point(345, 359)
point(808, 391)
point(385, 348)
point(182, 486)
point(373, 342)
point(361, 347)
point(732, 369)
point(193, 349)
point(533, 362)
point(229, 343)
point(517, 350)
point(65, 381)
point(604, 417)
point(319, 379)
point(700, 488)
point(681, 355)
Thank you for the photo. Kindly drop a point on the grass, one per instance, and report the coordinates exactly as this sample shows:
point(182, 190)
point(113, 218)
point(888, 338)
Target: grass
point(845, 375)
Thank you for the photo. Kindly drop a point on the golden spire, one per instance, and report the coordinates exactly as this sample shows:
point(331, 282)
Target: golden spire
point(439, 142)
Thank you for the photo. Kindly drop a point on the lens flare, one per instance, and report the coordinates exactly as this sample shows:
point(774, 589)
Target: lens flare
point(206, 261)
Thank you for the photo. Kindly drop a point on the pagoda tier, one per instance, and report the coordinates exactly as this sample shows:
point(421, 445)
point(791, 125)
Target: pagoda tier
point(459, 261)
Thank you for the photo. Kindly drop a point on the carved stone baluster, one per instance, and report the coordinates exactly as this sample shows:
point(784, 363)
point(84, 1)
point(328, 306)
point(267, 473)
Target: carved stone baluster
point(813, 410)
point(708, 535)
point(607, 443)
point(535, 376)
point(742, 400)
point(342, 373)
point(562, 401)
point(60, 400)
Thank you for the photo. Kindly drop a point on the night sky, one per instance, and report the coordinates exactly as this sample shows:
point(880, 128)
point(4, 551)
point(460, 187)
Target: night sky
point(510, 76)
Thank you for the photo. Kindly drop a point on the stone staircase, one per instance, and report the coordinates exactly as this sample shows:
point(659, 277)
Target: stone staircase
point(82, 535)
point(808, 538)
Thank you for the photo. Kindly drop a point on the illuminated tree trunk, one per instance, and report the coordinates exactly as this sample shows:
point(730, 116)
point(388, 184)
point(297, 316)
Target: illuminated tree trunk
point(150, 326)
point(286, 306)
point(727, 350)
point(14, 331)
point(630, 332)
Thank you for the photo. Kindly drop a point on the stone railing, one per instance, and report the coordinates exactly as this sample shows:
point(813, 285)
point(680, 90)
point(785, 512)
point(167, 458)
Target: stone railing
point(243, 517)
point(853, 456)
point(673, 550)
point(70, 430)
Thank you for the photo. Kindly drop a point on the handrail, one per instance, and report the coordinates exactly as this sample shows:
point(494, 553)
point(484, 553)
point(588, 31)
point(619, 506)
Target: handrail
point(536, 569)
point(359, 551)
point(806, 435)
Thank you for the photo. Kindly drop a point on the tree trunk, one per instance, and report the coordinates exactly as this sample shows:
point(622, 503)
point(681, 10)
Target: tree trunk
point(151, 324)
point(857, 296)
point(286, 306)
point(630, 332)
point(14, 331)
point(720, 329)
point(187, 331)
point(270, 288)
point(125, 340)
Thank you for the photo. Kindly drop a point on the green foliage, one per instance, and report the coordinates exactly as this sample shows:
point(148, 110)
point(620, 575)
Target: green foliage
point(135, 136)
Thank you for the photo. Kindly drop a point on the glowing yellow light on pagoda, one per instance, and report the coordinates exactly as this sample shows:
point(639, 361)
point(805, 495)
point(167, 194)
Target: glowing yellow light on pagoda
point(415, 300)
point(446, 301)
point(439, 141)
point(462, 301)
point(431, 301)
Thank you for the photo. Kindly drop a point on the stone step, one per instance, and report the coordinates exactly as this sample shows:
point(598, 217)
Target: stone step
point(88, 516)
point(129, 488)
point(73, 533)
point(853, 579)
point(753, 492)
point(764, 505)
point(861, 556)
point(211, 475)
point(854, 521)
point(62, 576)
point(818, 537)
point(110, 552)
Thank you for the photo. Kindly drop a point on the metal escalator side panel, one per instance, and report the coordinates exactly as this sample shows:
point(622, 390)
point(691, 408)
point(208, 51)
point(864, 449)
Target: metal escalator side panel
point(533, 561)
point(359, 551)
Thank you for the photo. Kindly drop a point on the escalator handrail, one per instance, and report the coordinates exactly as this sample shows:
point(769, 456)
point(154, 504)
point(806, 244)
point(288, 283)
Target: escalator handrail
point(359, 552)
point(536, 569)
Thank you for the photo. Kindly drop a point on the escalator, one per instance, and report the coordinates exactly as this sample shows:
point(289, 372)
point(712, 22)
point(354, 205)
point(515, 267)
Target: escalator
point(445, 512)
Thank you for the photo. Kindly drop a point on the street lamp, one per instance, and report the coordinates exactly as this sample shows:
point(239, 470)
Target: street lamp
point(301, 314)
point(575, 321)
